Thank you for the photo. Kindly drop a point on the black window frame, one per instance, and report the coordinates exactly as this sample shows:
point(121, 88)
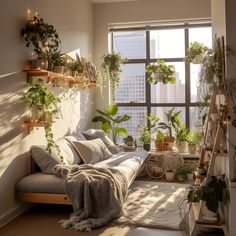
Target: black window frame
point(148, 104)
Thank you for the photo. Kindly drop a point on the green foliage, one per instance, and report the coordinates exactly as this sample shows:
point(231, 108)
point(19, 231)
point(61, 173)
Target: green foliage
point(111, 64)
point(111, 122)
point(181, 133)
point(145, 135)
point(182, 169)
point(195, 137)
point(173, 121)
point(57, 59)
point(194, 50)
point(160, 135)
point(167, 73)
point(212, 193)
point(42, 36)
point(44, 102)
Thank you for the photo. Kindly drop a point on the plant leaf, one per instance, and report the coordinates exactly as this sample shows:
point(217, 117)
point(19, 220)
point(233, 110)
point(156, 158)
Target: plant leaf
point(100, 118)
point(103, 113)
point(120, 119)
point(106, 127)
point(120, 130)
point(112, 109)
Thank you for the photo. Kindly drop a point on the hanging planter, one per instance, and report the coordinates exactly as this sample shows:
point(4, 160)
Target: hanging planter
point(160, 72)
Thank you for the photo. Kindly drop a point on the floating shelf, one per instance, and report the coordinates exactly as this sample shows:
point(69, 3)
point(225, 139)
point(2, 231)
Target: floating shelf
point(31, 124)
point(52, 77)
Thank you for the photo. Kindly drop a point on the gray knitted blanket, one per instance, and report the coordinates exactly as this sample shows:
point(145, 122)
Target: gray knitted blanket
point(97, 195)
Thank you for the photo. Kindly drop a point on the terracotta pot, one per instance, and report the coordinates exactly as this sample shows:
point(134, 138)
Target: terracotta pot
point(159, 145)
point(170, 176)
point(170, 141)
point(59, 69)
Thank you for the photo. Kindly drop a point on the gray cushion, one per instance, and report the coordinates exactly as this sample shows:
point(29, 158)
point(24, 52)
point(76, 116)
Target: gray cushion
point(41, 183)
point(98, 133)
point(43, 159)
point(92, 151)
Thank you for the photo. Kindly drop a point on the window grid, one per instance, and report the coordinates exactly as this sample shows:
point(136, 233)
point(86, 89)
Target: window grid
point(148, 104)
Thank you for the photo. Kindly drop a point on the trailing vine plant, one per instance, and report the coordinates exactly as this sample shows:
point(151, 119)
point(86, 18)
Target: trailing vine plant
point(40, 99)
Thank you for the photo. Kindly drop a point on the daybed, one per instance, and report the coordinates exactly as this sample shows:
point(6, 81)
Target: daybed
point(41, 186)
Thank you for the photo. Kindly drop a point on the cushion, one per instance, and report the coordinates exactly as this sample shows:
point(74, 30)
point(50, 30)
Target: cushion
point(43, 159)
point(98, 133)
point(69, 154)
point(92, 151)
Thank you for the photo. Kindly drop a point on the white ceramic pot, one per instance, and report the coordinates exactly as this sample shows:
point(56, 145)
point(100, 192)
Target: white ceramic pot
point(190, 176)
point(170, 176)
point(181, 146)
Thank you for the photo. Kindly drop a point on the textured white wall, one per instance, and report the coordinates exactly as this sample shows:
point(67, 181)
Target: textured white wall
point(140, 11)
point(74, 21)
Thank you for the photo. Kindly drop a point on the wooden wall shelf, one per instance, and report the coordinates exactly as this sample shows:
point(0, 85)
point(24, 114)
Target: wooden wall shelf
point(31, 124)
point(55, 78)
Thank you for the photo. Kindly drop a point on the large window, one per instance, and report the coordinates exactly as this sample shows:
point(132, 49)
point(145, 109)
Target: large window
point(135, 96)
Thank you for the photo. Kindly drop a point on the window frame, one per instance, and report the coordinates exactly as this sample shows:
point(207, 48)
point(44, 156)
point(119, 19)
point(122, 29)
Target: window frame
point(148, 104)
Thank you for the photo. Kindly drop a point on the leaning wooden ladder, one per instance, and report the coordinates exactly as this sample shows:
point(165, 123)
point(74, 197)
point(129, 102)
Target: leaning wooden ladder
point(197, 219)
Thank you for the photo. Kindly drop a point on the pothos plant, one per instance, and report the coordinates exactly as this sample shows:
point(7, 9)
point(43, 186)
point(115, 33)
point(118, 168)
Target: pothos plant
point(111, 65)
point(160, 71)
point(111, 122)
point(42, 36)
point(195, 49)
point(44, 103)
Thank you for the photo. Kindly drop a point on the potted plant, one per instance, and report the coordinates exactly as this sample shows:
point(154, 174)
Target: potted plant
point(190, 168)
point(111, 122)
point(159, 140)
point(160, 72)
point(181, 172)
point(181, 135)
point(58, 62)
point(111, 64)
point(211, 194)
point(173, 121)
point(75, 67)
point(170, 172)
point(43, 37)
point(196, 52)
point(44, 103)
point(194, 139)
point(145, 137)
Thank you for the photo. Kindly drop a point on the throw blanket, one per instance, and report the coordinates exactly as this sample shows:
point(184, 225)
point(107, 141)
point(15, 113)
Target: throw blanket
point(97, 195)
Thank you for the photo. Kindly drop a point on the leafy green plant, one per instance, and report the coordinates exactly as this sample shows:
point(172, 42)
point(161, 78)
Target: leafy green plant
point(195, 137)
point(42, 36)
point(160, 135)
point(111, 64)
point(194, 50)
point(166, 72)
point(182, 170)
point(181, 133)
point(213, 193)
point(145, 135)
point(173, 121)
point(111, 122)
point(57, 59)
point(44, 102)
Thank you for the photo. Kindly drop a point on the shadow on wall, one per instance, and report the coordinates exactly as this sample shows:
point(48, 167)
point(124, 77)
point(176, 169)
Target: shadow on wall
point(18, 167)
point(12, 109)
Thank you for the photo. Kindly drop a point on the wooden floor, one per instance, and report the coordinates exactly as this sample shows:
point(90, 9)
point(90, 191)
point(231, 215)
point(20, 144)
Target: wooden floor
point(42, 220)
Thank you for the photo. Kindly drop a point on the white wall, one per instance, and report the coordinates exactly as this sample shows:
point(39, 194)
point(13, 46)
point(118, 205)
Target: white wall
point(139, 11)
point(74, 21)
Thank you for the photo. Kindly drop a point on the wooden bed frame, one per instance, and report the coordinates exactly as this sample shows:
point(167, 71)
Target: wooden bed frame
point(50, 198)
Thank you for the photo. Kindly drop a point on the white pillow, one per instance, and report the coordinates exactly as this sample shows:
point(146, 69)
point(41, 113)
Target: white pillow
point(92, 151)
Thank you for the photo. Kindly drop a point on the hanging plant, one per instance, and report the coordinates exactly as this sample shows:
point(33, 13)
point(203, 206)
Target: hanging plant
point(44, 103)
point(160, 72)
point(111, 64)
point(196, 52)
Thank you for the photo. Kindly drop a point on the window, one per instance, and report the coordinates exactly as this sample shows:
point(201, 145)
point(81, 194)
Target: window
point(135, 96)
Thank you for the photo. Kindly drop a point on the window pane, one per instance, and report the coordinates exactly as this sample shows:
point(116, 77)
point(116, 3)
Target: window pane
point(137, 119)
point(132, 84)
point(202, 35)
point(131, 45)
point(167, 43)
point(170, 93)
point(194, 79)
point(196, 117)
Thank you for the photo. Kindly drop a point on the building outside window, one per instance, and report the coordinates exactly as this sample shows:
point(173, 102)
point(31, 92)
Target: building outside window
point(135, 96)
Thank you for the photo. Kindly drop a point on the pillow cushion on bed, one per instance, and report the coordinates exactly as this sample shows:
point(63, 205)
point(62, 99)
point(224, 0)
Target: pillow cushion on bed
point(98, 133)
point(43, 159)
point(92, 151)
